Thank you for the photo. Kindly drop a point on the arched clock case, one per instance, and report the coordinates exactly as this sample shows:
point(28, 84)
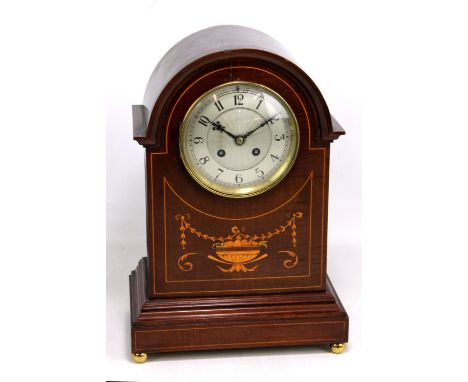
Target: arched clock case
point(237, 140)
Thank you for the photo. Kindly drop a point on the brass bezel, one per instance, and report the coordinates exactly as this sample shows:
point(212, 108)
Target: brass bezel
point(243, 192)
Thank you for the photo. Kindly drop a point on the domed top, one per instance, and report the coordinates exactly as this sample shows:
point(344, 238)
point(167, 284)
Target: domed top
point(221, 38)
point(200, 50)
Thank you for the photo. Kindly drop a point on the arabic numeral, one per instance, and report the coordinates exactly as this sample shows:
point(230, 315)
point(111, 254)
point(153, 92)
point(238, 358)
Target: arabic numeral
point(219, 105)
point(204, 160)
point(274, 157)
point(204, 120)
point(238, 98)
point(260, 173)
point(279, 137)
point(198, 140)
point(239, 178)
point(220, 172)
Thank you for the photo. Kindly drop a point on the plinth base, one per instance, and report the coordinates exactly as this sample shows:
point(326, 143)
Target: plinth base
point(205, 323)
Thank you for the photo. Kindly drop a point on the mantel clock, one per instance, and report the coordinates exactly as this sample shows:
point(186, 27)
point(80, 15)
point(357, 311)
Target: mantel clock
point(237, 140)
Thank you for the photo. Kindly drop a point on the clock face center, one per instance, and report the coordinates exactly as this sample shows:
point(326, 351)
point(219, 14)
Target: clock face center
point(240, 140)
point(228, 138)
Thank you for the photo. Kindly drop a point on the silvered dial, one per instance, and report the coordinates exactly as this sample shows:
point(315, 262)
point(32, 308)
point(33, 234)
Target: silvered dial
point(239, 139)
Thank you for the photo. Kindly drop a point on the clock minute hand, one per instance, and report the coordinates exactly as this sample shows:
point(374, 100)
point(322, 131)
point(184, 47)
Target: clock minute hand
point(261, 125)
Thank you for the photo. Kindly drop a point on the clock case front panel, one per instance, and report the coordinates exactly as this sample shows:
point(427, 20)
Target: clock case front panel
point(185, 221)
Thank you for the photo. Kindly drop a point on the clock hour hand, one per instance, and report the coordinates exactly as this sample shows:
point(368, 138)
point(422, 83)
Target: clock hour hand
point(261, 125)
point(217, 126)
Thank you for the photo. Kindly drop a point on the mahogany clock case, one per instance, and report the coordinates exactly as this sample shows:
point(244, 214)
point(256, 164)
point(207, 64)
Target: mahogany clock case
point(189, 291)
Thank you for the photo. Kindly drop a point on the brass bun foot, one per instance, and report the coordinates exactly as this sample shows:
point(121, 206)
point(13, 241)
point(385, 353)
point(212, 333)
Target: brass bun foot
point(337, 348)
point(140, 357)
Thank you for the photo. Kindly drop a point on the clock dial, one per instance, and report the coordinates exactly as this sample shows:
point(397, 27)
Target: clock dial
point(239, 139)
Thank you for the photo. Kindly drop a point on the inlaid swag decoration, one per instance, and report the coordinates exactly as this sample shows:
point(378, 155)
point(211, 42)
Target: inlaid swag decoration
point(238, 249)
